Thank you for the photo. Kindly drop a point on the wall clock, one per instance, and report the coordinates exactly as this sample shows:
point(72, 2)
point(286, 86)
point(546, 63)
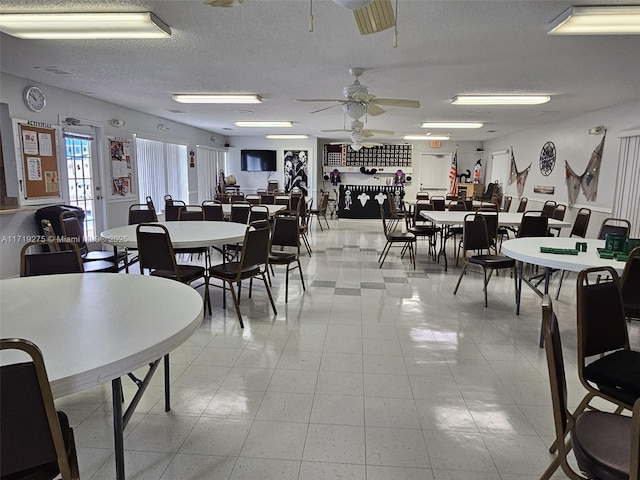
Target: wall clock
point(34, 99)
point(547, 158)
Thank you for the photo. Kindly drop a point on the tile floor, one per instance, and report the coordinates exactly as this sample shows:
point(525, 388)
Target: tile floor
point(371, 374)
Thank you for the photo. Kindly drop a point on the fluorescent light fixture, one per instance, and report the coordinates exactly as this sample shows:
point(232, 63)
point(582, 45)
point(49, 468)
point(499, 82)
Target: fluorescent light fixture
point(597, 20)
point(78, 25)
point(426, 137)
point(264, 124)
point(285, 136)
point(216, 98)
point(500, 99)
point(451, 125)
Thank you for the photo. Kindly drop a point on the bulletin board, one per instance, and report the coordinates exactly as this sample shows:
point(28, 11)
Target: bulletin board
point(39, 161)
point(121, 168)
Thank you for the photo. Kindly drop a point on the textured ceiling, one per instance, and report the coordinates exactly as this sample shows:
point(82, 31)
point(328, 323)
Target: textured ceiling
point(445, 48)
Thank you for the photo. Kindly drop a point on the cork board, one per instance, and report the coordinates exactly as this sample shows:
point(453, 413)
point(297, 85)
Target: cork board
point(39, 161)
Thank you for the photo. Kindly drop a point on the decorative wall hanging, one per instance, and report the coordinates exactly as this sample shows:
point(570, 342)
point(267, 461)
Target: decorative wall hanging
point(547, 158)
point(334, 178)
point(588, 181)
point(367, 171)
point(399, 179)
point(295, 170)
point(477, 171)
point(519, 177)
point(464, 177)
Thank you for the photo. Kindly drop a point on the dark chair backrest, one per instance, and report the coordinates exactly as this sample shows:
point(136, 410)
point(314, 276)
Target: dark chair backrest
point(149, 202)
point(614, 226)
point(533, 224)
point(258, 212)
point(255, 248)
point(141, 213)
point(475, 235)
point(388, 224)
point(548, 208)
point(172, 210)
point(272, 185)
point(438, 203)
point(55, 261)
point(557, 376)
point(267, 199)
point(630, 285)
point(72, 232)
point(324, 202)
point(237, 197)
point(457, 206)
point(282, 200)
point(295, 201)
point(422, 196)
point(240, 212)
point(468, 203)
point(253, 199)
point(193, 213)
point(559, 212)
point(155, 250)
point(213, 211)
point(34, 438)
point(421, 205)
point(581, 223)
point(601, 320)
point(286, 230)
point(522, 206)
point(222, 198)
point(491, 220)
point(507, 203)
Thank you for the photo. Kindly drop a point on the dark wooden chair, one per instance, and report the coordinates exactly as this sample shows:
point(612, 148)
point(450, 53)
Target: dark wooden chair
point(36, 441)
point(605, 445)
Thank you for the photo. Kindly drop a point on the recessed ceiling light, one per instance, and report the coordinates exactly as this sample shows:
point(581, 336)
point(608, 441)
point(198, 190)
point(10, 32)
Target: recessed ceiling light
point(598, 20)
point(78, 25)
point(500, 99)
point(216, 98)
point(286, 136)
point(426, 137)
point(264, 124)
point(451, 125)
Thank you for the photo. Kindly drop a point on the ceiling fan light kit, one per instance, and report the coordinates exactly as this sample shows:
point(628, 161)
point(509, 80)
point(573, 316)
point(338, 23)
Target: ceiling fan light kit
point(500, 99)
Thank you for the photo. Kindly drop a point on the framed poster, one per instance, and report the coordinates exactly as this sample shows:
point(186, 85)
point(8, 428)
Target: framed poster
point(296, 171)
point(121, 168)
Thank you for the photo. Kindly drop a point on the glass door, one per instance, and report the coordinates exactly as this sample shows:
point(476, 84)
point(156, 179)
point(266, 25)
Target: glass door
point(83, 180)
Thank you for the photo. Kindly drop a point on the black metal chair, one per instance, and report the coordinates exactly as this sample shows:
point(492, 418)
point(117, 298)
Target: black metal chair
point(548, 208)
point(253, 262)
point(286, 234)
point(579, 229)
point(614, 226)
point(406, 240)
point(475, 237)
point(157, 256)
point(559, 212)
point(522, 206)
point(420, 227)
point(321, 211)
point(213, 211)
point(102, 261)
point(258, 212)
point(172, 208)
point(605, 445)
point(36, 441)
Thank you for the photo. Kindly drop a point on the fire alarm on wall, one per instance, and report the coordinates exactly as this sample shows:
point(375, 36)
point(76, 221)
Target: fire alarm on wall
point(117, 123)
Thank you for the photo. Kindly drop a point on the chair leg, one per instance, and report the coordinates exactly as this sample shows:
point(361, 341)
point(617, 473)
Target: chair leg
point(324, 215)
point(304, 289)
point(384, 253)
point(560, 283)
point(266, 285)
point(236, 304)
point(486, 280)
point(455, 290)
point(286, 284)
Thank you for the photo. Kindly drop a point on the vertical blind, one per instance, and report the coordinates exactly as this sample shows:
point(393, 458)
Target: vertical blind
point(628, 183)
point(162, 169)
point(209, 162)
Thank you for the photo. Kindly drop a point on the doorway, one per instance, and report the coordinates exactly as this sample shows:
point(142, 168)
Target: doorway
point(83, 178)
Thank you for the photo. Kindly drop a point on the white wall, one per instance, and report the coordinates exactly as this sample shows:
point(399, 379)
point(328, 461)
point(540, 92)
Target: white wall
point(575, 145)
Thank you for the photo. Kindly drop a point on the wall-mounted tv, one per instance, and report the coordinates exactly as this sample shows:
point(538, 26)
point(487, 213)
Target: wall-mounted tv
point(258, 161)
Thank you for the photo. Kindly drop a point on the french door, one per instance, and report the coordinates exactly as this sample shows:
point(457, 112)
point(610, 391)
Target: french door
point(83, 178)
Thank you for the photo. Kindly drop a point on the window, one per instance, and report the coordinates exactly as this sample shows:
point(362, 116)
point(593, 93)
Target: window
point(210, 162)
point(162, 170)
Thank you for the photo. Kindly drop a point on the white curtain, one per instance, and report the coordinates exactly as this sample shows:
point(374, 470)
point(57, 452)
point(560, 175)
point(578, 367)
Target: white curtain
point(162, 169)
point(209, 161)
point(628, 183)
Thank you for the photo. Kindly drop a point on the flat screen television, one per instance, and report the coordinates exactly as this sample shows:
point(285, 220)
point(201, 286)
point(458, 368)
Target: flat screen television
point(258, 161)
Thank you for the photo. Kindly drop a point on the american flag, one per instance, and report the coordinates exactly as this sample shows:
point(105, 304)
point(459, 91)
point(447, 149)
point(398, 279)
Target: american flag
point(453, 174)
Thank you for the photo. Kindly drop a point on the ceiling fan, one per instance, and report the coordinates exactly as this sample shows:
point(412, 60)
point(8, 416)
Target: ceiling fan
point(357, 100)
point(357, 132)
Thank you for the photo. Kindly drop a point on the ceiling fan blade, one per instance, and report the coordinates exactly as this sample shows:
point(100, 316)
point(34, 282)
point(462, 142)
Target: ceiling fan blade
point(338, 130)
point(375, 17)
point(367, 133)
point(341, 100)
point(326, 108)
point(362, 97)
point(396, 102)
point(371, 144)
point(373, 131)
point(374, 110)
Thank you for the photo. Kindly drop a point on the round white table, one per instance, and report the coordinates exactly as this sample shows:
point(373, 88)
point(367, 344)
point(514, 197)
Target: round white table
point(93, 328)
point(527, 250)
point(183, 234)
